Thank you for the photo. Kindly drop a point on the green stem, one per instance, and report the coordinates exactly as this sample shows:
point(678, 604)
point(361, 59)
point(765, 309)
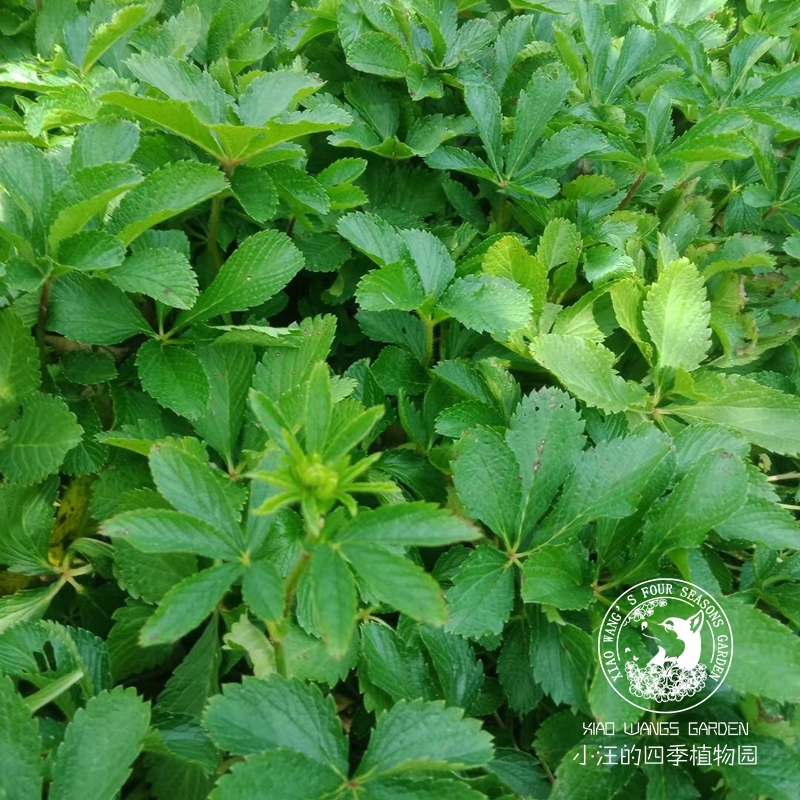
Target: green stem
point(213, 231)
point(429, 324)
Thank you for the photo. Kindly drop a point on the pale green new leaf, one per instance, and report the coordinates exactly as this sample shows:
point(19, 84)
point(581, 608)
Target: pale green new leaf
point(104, 36)
point(676, 313)
point(764, 416)
point(586, 368)
point(508, 258)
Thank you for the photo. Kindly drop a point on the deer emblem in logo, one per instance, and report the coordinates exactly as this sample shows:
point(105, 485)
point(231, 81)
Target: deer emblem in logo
point(668, 678)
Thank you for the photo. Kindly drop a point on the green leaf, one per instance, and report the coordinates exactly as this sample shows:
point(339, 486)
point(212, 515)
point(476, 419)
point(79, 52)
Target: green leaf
point(564, 148)
point(262, 589)
point(183, 475)
point(559, 576)
point(19, 364)
point(546, 436)
point(20, 745)
point(373, 236)
point(38, 441)
point(277, 714)
point(484, 105)
point(432, 259)
point(182, 81)
point(175, 377)
point(420, 736)
point(163, 194)
point(586, 368)
point(99, 747)
point(755, 634)
point(273, 93)
point(162, 274)
point(296, 186)
point(86, 194)
point(538, 103)
point(106, 141)
point(91, 250)
point(93, 311)
point(229, 369)
point(157, 530)
point(280, 773)
point(378, 54)
point(764, 416)
point(393, 288)
point(712, 490)
point(486, 303)
point(108, 33)
point(395, 580)
point(188, 603)
point(333, 595)
point(482, 595)
point(407, 525)
point(29, 604)
point(486, 475)
point(607, 482)
point(29, 511)
point(508, 258)
point(255, 190)
point(262, 265)
point(172, 115)
point(677, 315)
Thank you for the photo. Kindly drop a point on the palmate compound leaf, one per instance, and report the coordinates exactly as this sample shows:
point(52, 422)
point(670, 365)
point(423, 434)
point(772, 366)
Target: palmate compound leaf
point(677, 314)
point(21, 775)
point(420, 736)
point(38, 441)
point(100, 744)
point(257, 716)
point(509, 483)
point(262, 265)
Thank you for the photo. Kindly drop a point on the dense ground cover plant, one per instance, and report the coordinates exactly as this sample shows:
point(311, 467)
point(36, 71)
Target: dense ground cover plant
point(354, 356)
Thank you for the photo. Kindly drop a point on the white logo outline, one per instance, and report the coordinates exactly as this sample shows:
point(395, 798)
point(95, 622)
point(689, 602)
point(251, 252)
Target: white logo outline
point(688, 673)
